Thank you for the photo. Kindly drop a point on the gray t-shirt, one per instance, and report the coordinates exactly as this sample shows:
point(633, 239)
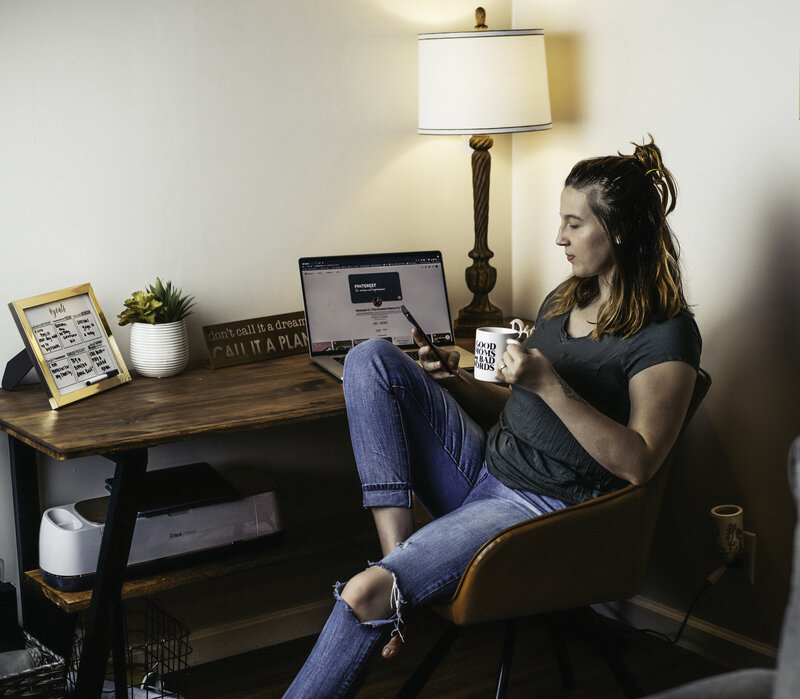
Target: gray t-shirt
point(530, 448)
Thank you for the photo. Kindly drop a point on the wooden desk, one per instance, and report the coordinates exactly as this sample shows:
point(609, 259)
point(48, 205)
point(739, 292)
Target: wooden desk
point(147, 412)
point(120, 425)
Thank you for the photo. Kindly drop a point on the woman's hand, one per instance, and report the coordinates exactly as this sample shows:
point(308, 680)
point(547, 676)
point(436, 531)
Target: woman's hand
point(482, 400)
point(528, 369)
point(431, 363)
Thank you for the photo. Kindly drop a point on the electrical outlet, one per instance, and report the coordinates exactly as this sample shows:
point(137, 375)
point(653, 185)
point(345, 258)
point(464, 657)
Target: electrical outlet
point(744, 568)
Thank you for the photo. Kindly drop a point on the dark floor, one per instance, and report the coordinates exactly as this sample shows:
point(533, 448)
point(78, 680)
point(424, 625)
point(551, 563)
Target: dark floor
point(470, 668)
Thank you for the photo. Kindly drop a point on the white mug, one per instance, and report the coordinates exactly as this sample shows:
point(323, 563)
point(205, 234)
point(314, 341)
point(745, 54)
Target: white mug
point(490, 343)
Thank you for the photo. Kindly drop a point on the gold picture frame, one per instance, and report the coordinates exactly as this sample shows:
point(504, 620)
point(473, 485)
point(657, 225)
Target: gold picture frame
point(70, 344)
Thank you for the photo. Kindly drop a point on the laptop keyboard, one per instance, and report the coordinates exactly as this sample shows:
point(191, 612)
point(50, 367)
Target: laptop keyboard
point(413, 354)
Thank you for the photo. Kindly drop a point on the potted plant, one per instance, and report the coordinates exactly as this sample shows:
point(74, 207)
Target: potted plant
point(159, 343)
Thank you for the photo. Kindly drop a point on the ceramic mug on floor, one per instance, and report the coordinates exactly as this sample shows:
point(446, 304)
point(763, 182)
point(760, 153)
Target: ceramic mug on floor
point(490, 343)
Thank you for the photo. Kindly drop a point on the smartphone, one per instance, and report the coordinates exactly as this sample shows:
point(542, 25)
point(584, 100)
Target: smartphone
point(428, 342)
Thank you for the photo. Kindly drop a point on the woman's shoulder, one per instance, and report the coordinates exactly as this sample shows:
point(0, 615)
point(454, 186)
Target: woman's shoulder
point(677, 338)
point(683, 323)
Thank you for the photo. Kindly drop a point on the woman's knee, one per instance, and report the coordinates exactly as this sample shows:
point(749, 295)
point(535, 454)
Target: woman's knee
point(375, 357)
point(369, 594)
point(368, 352)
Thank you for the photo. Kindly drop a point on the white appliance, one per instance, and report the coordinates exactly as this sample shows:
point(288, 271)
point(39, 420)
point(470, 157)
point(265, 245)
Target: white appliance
point(70, 536)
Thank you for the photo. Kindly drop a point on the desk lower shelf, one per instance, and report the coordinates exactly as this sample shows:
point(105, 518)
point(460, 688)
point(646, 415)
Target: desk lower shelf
point(313, 543)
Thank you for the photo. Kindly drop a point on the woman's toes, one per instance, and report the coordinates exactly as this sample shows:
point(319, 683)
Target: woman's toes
point(391, 648)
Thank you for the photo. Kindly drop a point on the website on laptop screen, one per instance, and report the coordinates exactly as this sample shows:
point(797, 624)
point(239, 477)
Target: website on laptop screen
point(352, 299)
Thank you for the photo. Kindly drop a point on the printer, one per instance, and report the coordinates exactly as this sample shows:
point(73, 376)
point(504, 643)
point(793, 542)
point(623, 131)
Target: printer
point(187, 513)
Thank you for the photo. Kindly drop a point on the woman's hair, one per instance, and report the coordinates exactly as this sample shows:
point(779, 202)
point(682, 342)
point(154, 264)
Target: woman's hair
point(631, 196)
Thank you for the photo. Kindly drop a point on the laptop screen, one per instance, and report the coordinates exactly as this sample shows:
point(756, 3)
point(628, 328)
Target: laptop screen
point(352, 298)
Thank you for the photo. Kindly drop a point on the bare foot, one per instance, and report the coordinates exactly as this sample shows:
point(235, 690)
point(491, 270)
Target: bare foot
point(392, 647)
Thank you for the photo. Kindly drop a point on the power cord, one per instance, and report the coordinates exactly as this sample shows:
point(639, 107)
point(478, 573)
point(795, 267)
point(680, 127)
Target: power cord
point(712, 579)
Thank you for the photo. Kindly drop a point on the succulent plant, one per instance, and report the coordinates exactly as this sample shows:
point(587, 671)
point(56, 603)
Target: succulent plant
point(161, 303)
point(174, 305)
point(140, 308)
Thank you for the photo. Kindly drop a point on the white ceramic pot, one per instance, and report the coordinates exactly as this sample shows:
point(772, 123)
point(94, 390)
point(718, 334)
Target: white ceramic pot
point(159, 350)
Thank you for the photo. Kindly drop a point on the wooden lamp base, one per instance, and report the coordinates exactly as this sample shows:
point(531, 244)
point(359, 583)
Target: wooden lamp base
point(480, 276)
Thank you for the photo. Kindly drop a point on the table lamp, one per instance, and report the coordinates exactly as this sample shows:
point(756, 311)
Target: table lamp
point(480, 83)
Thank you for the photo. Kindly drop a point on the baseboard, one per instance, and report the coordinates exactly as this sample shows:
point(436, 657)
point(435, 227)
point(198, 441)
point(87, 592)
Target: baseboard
point(242, 636)
point(714, 642)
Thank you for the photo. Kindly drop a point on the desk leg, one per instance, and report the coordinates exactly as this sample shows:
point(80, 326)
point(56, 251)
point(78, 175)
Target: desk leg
point(27, 509)
point(111, 565)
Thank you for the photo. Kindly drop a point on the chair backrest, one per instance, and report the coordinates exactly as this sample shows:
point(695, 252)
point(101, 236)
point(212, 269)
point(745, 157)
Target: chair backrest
point(596, 551)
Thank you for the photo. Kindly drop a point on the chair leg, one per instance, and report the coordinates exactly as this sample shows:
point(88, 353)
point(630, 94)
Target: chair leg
point(620, 671)
point(505, 661)
point(429, 664)
point(562, 653)
point(606, 644)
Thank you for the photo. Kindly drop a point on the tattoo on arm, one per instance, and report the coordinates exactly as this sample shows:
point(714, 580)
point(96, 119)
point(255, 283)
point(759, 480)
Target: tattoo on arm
point(567, 389)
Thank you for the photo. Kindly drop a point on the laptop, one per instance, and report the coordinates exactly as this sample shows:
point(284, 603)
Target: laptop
point(349, 299)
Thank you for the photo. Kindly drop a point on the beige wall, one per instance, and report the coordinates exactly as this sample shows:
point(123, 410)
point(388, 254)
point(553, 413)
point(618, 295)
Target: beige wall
point(213, 143)
point(716, 83)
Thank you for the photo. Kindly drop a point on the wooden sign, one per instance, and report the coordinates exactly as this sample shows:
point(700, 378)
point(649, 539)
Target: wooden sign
point(256, 339)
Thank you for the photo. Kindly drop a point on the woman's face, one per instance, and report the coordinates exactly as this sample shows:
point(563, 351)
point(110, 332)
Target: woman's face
point(582, 237)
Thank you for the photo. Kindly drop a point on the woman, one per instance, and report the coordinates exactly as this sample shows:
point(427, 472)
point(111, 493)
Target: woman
point(594, 400)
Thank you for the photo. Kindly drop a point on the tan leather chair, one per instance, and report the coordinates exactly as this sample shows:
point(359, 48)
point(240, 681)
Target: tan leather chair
point(593, 552)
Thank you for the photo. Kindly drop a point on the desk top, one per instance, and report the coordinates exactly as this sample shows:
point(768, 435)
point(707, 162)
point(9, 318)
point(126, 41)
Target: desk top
point(198, 402)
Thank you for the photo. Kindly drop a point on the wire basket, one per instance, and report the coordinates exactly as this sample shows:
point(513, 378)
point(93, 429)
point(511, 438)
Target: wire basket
point(46, 680)
point(156, 649)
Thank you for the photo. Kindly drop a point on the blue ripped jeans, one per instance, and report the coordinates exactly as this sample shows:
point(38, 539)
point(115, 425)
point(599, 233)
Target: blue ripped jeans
point(411, 436)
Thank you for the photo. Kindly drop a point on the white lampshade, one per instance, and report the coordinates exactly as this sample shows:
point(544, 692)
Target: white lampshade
point(483, 82)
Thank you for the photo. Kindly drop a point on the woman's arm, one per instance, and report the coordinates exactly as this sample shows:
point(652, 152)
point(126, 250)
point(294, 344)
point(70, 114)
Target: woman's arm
point(483, 401)
point(659, 397)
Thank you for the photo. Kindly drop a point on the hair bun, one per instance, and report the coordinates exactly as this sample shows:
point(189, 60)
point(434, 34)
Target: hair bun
point(649, 155)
